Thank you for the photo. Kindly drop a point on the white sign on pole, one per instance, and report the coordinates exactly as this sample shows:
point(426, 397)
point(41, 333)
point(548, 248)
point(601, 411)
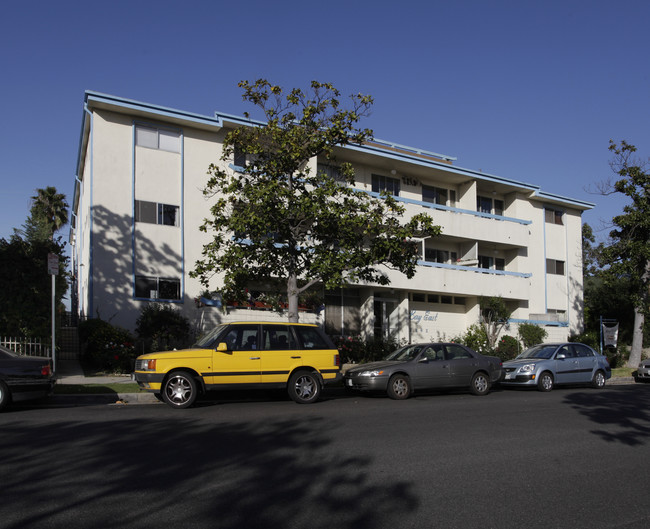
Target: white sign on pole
point(52, 264)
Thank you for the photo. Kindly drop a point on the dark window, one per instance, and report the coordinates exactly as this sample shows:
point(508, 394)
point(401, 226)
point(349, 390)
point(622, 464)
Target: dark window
point(555, 267)
point(145, 211)
point(278, 338)
point(446, 299)
point(419, 297)
point(239, 157)
point(434, 298)
point(499, 264)
point(311, 338)
point(498, 207)
point(241, 338)
point(435, 195)
point(455, 352)
point(167, 215)
point(157, 288)
point(385, 183)
point(459, 301)
point(483, 204)
point(485, 261)
point(553, 216)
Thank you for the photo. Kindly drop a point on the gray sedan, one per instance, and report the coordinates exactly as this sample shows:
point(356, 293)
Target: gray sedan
point(426, 366)
point(546, 365)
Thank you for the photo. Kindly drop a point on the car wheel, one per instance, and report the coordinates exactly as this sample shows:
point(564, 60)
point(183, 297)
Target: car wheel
point(598, 380)
point(545, 381)
point(480, 384)
point(399, 387)
point(5, 396)
point(180, 390)
point(304, 387)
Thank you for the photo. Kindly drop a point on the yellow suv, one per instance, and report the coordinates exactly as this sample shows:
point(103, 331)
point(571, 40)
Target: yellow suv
point(298, 357)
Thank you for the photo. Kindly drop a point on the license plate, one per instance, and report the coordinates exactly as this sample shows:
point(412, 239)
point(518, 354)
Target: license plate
point(510, 376)
point(349, 381)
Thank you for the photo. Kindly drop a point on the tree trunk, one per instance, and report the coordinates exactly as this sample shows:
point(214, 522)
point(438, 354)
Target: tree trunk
point(637, 339)
point(292, 298)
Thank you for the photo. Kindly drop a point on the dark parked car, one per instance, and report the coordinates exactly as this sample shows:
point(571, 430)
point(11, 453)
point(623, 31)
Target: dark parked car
point(548, 364)
point(426, 366)
point(23, 377)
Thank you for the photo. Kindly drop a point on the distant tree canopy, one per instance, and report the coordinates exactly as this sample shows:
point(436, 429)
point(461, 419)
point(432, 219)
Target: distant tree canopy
point(277, 218)
point(25, 285)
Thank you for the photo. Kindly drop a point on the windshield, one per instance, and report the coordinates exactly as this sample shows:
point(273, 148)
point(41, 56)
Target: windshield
point(539, 351)
point(207, 341)
point(408, 352)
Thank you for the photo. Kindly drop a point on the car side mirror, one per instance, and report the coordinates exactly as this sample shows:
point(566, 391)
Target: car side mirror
point(560, 356)
point(423, 360)
point(222, 347)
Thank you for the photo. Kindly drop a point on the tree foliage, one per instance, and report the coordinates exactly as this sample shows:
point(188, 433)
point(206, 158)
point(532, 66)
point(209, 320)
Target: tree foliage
point(25, 285)
point(628, 253)
point(494, 316)
point(278, 218)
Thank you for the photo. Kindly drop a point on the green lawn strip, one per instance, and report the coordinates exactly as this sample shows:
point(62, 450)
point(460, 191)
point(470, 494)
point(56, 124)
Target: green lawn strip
point(95, 389)
point(623, 371)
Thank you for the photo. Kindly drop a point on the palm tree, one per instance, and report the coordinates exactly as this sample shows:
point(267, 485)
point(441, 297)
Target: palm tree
point(50, 209)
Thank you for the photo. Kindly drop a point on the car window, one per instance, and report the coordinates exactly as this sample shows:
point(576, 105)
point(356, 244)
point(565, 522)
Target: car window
point(567, 351)
point(241, 338)
point(433, 352)
point(311, 338)
point(408, 352)
point(278, 337)
point(582, 351)
point(455, 351)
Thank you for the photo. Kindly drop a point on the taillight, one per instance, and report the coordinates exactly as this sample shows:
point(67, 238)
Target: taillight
point(46, 370)
point(337, 360)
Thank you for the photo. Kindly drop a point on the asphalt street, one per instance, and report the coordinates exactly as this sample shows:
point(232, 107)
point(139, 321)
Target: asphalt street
point(572, 458)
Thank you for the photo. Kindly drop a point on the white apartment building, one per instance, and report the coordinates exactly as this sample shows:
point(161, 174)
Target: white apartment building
point(138, 205)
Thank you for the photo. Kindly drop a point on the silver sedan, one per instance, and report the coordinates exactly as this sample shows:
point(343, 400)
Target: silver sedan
point(424, 367)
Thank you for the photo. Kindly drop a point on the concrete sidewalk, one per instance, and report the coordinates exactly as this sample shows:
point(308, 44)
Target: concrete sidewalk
point(69, 372)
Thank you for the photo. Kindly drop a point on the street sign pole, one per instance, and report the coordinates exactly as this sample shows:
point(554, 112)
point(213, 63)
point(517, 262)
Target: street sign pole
point(53, 270)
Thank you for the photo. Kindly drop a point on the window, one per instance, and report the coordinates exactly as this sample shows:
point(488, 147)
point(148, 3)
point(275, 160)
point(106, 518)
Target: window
point(499, 264)
point(157, 288)
point(455, 351)
point(433, 298)
point(483, 204)
point(555, 267)
point(485, 261)
point(278, 338)
point(448, 300)
point(553, 216)
point(418, 297)
point(434, 195)
point(436, 256)
point(155, 138)
point(459, 301)
point(241, 338)
point(385, 183)
point(487, 205)
point(331, 171)
point(154, 213)
point(239, 157)
point(311, 338)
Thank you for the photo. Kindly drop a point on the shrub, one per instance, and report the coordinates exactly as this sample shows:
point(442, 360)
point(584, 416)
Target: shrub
point(477, 339)
point(353, 349)
point(531, 334)
point(107, 347)
point(161, 327)
point(507, 348)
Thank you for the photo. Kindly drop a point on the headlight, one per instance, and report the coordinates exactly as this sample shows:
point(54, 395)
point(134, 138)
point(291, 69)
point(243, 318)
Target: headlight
point(148, 365)
point(374, 373)
point(528, 368)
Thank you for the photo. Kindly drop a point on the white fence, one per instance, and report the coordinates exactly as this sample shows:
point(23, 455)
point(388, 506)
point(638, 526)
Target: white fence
point(26, 346)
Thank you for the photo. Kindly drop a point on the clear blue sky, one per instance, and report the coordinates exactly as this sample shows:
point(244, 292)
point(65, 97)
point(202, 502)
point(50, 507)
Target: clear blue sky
point(530, 91)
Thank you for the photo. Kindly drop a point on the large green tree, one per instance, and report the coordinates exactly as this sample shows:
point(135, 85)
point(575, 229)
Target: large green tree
point(275, 217)
point(628, 254)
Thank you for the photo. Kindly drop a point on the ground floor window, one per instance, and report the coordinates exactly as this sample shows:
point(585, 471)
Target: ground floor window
point(343, 312)
point(157, 288)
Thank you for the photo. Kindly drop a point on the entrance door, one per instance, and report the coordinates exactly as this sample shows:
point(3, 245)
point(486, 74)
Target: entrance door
point(383, 310)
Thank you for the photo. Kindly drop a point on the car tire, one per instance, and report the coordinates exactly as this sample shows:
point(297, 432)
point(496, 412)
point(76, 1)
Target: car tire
point(480, 384)
point(545, 382)
point(399, 387)
point(599, 379)
point(5, 396)
point(180, 390)
point(304, 387)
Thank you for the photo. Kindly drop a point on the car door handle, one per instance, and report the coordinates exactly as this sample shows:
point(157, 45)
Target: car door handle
point(254, 357)
point(296, 357)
